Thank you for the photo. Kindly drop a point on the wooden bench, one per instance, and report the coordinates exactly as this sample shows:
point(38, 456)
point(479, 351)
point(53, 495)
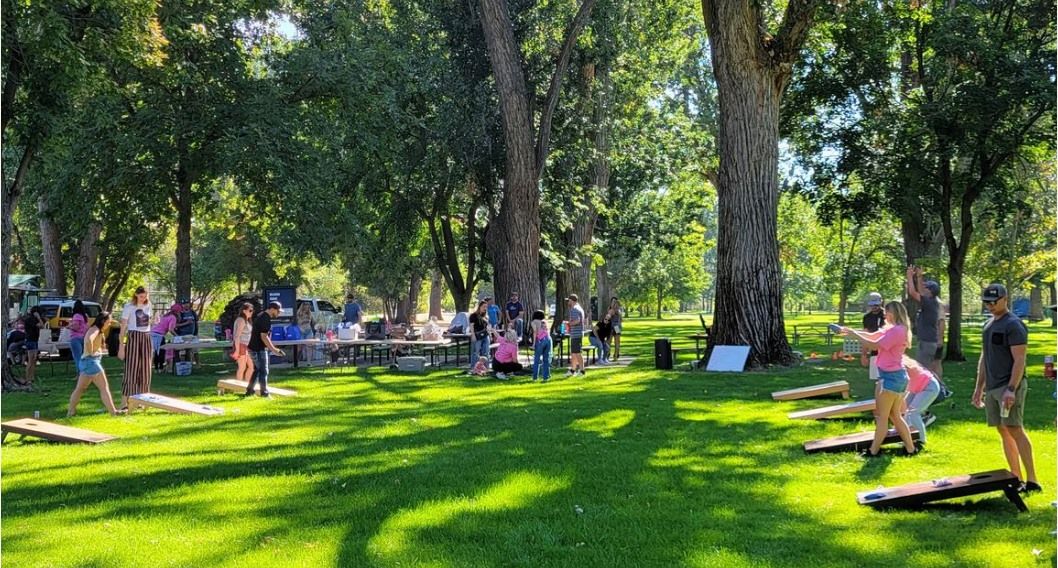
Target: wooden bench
point(151, 400)
point(836, 387)
point(51, 431)
point(853, 442)
point(836, 410)
point(232, 385)
point(917, 494)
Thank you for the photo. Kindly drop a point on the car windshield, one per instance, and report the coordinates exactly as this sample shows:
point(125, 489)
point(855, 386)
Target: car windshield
point(325, 306)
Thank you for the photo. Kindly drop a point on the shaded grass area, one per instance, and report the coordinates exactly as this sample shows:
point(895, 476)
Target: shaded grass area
point(626, 467)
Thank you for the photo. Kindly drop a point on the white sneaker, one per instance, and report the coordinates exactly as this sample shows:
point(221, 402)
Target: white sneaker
point(570, 372)
point(501, 376)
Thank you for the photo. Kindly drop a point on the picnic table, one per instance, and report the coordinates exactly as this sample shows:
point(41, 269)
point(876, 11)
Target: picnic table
point(812, 331)
point(186, 349)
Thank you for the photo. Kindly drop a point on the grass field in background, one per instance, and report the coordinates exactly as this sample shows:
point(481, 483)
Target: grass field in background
point(625, 467)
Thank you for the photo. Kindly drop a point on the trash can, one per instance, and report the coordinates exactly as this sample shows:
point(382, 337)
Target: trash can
point(662, 353)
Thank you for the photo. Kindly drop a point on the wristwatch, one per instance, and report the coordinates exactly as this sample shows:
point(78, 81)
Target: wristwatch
point(1012, 388)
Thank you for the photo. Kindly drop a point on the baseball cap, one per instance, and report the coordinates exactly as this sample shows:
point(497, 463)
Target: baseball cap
point(933, 287)
point(573, 297)
point(275, 306)
point(874, 299)
point(176, 308)
point(993, 292)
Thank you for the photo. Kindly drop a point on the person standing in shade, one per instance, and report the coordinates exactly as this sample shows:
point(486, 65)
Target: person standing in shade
point(479, 330)
point(92, 368)
point(31, 325)
point(541, 347)
point(78, 327)
point(494, 313)
point(260, 345)
point(873, 320)
point(135, 348)
point(353, 312)
point(1001, 384)
point(615, 323)
point(576, 336)
point(515, 311)
point(928, 323)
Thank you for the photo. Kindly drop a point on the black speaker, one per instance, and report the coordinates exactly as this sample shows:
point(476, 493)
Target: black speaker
point(662, 353)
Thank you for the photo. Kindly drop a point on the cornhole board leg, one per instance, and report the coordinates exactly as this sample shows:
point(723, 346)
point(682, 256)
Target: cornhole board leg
point(231, 385)
point(917, 494)
point(836, 387)
point(53, 432)
point(836, 410)
point(853, 442)
point(152, 400)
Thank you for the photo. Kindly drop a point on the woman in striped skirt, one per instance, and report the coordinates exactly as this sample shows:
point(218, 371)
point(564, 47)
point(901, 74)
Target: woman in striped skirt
point(135, 348)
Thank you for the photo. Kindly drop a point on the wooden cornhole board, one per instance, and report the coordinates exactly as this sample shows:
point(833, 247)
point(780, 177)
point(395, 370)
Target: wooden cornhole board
point(152, 400)
point(51, 431)
point(836, 410)
point(853, 442)
point(231, 385)
point(836, 387)
point(915, 494)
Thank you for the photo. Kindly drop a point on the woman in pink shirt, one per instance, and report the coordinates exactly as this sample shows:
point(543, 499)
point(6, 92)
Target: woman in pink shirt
point(165, 325)
point(506, 354)
point(78, 327)
point(922, 389)
point(895, 339)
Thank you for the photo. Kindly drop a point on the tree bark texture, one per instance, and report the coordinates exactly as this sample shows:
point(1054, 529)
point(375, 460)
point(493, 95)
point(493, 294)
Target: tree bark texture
point(10, 201)
point(84, 284)
point(752, 70)
point(436, 294)
point(51, 248)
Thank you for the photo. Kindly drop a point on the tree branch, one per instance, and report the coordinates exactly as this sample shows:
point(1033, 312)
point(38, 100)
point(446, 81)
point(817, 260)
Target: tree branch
point(544, 132)
point(793, 31)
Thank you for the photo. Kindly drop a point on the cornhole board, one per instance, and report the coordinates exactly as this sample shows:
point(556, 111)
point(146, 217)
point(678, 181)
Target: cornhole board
point(915, 494)
point(231, 385)
point(728, 358)
point(853, 442)
point(51, 431)
point(836, 410)
point(169, 404)
point(836, 387)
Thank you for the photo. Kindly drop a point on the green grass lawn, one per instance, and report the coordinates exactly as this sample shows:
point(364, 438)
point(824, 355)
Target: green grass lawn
point(626, 467)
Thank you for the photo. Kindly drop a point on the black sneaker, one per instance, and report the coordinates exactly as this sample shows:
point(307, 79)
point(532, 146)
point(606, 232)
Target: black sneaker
point(1030, 487)
point(929, 418)
point(867, 454)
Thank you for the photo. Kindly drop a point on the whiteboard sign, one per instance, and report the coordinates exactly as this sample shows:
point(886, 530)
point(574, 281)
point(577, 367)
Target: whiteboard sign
point(728, 358)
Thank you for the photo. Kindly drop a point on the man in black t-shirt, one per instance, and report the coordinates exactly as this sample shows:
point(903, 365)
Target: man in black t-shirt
point(1001, 384)
point(260, 345)
point(873, 320)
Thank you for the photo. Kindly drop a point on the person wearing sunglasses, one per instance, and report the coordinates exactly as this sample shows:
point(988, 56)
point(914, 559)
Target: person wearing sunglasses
point(1001, 383)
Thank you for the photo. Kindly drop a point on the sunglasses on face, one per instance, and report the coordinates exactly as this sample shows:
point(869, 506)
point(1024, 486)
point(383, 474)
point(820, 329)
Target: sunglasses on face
point(990, 302)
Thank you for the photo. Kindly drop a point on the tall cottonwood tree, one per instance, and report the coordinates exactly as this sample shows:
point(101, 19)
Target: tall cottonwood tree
point(514, 235)
point(752, 68)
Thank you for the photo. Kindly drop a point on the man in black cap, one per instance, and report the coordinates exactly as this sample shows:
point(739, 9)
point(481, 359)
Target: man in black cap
point(1001, 383)
point(929, 325)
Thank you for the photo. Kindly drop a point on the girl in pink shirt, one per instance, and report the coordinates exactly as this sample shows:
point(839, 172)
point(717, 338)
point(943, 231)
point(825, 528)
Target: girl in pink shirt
point(922, 389)
point(895, 338)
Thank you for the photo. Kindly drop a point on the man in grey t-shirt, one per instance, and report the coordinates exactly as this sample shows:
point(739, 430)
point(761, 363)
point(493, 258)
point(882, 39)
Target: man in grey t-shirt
point(1001, 385)
point(929, 325)
point(576, 336)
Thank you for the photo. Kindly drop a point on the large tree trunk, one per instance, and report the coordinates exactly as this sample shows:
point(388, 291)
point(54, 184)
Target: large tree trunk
point(84, 284)
point(51, 248)
point(183, 234)
point(408, 307)
point(1036, 300)
point(436, 294)
point(602, 286)
point(562, 284)
point(752, 70)
point(514, 235)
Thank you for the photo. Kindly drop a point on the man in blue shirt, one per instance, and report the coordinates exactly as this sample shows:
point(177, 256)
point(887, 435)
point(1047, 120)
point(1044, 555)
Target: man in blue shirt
point(494, 312)
point(515, 309)
point(353, 310)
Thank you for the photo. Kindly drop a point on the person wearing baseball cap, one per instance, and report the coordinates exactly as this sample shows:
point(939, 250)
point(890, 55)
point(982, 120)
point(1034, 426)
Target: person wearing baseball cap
point(929, 324)
point(873, 320)
point(260, 345)
point(1001, 383)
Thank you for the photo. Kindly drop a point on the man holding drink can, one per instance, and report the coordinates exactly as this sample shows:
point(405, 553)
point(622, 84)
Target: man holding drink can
point(1001, 385)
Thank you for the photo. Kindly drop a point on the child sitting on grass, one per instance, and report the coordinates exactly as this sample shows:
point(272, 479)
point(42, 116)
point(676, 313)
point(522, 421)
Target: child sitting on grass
point(481, 368)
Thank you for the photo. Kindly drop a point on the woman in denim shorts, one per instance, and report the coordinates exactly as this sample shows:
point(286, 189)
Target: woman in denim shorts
point(894, 340)
point(92, 368)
